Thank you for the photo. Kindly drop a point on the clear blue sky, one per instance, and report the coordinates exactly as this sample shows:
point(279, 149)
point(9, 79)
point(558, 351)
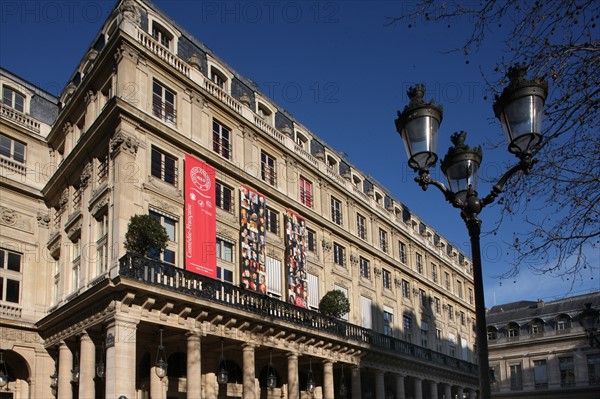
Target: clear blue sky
point(341, 72)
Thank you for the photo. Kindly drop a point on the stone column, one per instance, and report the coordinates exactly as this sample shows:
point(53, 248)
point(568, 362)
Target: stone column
point(400, 393)
point(459, 392)
point(356, 386)
point(293, 388)
point(447, 391)
point(328, 384)
point(120, 357)
point(472, 394)
point(418, 388)
point(194, 375)
point(65, 364)
point(87, 367)
point(433, 389)
point(379, 385)
point(249, 372)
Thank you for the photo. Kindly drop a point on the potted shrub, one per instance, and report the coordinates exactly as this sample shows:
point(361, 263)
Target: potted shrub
point(145, 235)
point(334, 304)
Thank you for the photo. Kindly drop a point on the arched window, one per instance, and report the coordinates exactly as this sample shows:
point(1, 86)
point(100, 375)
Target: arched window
point(537, 326)
point(492, 333)
point(512, 330)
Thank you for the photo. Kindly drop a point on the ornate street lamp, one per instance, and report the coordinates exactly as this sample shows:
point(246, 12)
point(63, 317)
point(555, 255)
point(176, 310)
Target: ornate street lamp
point(161, 359)
point(75, 370)
point(310, 383)
point(100, 367)
point(520, 109)
point(222, 373)
point(343, 390)
point(271, 377)
point(54, 383)
point(3, 372)
point(589, 320)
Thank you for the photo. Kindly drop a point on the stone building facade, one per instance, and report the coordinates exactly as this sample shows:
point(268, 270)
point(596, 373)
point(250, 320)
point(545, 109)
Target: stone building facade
point(540, 349)
point(145, 99)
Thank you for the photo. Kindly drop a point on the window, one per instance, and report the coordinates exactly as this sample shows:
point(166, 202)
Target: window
point(224, 197)
point(537, 327)
point(459, 289)
point(101, 243)
point(224, 274)
point(161, 36)
point(407, 326)
point(383, 240)
point(438, 340)
point(366, 312)
point(463, 320)
point(447, 280)
point(540, 375)
point(388, 320)
point(451, 344)
point(593, 363)
point(516, 379)
point(170, 225)
point(311, 240)
point(13, 99)
point(336, 211)
point(567, 371)
point(422, 297)
point(512, 330)
point(402, 251)
point(563, 323)
point(274, 275)
point(313, 290)
point(55, 288)
point(12, 149)
point(470, 291)
point(419, 260)
point(272, 220)
point(221, 140)
point(492, 333)
point(163, 102)
point(268, 172)
point(76, 265)
point(344, 291)
point(438, 305)
point(224, 250)
point(450, 312)
point(434, 275)
point(163, 166)
point(339, 254)
point(365, 268)
point(301, 140)
point(405, 289)
point(10, 275)
point(386, 277)
point(361, 226)
point(424, 334)
point(218, 78)
point(306, 197)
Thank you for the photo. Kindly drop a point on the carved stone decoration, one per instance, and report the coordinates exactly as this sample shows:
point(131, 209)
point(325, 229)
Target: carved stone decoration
point(54, 246)
point(377, 271)
point(195, 62)
point(326, 245)
point(130, 11)
point(125, 50)
point(245, 100)
point(287, 130)
point(90, 96)
point(8, 216)
point(121, 142)
point(86, 174)
point(43, 219)
point(64, 199)
point(67, 128)
point(99, 207)
point(73, 228)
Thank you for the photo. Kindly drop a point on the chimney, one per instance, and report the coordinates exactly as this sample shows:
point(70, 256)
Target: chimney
point(540, 303)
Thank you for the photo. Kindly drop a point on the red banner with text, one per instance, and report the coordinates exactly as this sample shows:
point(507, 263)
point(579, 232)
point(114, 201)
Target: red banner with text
point(200, 218)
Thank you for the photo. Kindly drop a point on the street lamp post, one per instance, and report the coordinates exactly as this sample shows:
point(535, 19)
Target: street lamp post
point(520, 109)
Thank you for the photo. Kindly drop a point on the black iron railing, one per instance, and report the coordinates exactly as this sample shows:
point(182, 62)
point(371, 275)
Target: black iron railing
point(168, 276)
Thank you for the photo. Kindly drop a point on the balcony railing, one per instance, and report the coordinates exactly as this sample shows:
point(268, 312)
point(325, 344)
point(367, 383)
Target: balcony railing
point(20, 118)
point(161, 274)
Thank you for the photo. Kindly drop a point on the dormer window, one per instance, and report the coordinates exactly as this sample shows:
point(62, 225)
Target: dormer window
point(378, 198)
point(265, 113)
point(356, 181)
point(331, 162)
point(218, 78)
point(301, 140)
point(160, 35)
point(13, 99)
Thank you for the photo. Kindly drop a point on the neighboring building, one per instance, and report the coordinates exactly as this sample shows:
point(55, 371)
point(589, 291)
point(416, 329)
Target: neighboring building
point(147, 103)
point(540, 350)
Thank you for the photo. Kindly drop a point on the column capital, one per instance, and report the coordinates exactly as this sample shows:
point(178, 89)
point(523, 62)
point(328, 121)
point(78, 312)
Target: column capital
point(193, 333)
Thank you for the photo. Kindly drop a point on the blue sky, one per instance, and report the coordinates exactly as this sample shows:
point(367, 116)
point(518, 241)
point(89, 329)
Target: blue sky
point(342, 73)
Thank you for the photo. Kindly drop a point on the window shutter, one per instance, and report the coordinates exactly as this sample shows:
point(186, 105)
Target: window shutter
point(313, 290)
point(273, 276)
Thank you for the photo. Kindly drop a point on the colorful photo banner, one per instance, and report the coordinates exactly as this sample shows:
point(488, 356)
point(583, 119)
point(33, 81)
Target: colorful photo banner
point(200, 218)
point(295, 234)
point(253, 240)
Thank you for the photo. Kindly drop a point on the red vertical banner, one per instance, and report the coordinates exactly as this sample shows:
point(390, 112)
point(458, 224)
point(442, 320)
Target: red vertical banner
point(200, 218)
